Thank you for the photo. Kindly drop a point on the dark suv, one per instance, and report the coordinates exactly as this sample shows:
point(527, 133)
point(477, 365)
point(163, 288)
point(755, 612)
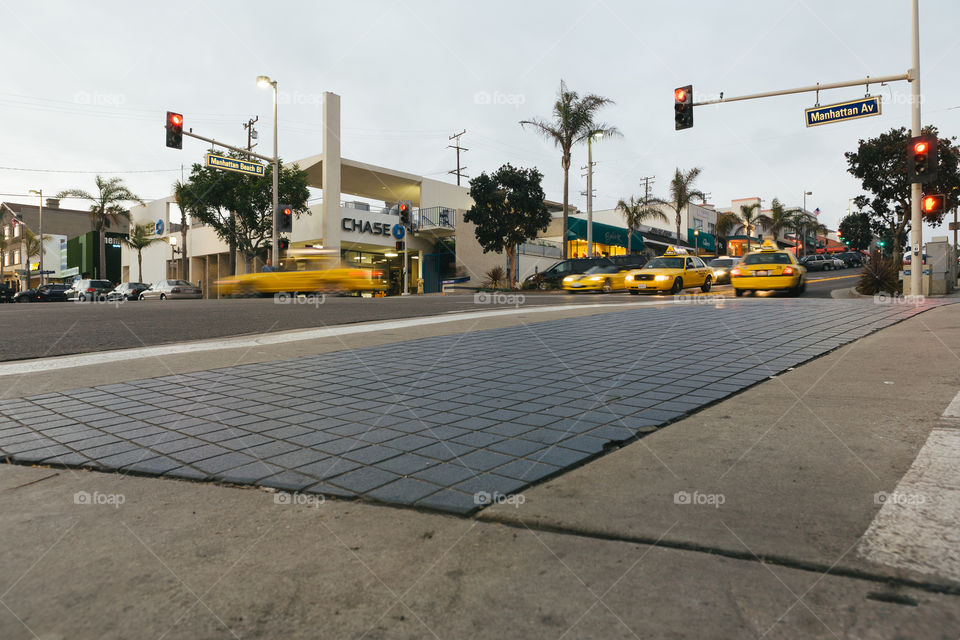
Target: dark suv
point(52, 292)
point(94, 290)
point(552, 277)
point(852, 258)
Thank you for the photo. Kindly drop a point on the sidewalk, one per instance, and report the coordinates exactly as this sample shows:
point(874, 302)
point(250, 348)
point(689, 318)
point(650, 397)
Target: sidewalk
point(788, 470)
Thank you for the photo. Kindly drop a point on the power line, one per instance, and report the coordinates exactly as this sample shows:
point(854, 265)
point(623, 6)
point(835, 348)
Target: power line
point(86, 171)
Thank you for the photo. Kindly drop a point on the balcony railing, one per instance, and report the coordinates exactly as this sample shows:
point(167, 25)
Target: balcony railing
point(543, 248)
point(435, 218)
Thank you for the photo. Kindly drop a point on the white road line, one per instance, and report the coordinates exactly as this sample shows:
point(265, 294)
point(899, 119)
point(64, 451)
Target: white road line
point(916, 528)
point(298, 335)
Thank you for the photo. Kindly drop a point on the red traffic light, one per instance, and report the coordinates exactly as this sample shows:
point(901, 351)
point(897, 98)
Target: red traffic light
point(174, 130)
point(932, 204)
point(403, 208)
point(680, 94)
point(176, 119)
point(920, 147)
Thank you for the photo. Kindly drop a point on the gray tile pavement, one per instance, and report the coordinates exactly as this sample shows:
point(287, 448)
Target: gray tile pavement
point(435, 422)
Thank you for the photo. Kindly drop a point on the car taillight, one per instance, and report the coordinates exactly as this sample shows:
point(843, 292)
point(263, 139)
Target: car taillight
point(91, 290)
point(175, 290)
point(378, 274)
point(788, 271)
point(734, 272)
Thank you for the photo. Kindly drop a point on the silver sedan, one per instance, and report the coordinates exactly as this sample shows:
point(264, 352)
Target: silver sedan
point(171, 289)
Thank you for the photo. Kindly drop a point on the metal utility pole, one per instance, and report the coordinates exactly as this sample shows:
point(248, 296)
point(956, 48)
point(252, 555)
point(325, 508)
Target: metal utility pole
point(916, 219)
point(251, 132)
point(459, 170)
point(590, 193)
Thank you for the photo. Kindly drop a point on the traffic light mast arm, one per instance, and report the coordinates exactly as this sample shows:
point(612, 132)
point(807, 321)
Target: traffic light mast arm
point(819, 87)
point(228, 146)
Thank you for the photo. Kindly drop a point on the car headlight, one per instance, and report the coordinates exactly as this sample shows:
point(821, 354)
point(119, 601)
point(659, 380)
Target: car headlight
point(661, 278)
point(568, 279)
point(595, 278)
point(719, 272)
point(628, 279)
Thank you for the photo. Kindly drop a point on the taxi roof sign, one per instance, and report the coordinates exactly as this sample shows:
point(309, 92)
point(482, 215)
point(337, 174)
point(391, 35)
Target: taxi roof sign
point(675, 251)
point(768, 246)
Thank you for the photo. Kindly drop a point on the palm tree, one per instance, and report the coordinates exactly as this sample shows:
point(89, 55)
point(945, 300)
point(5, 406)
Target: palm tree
point(750, 217)
point(681, 194)
point(636, 212)
point(779, 218)
point(33, 244)
point(727, 223)
point(106, 209)
point(181, 193)
point(573, 122)
point(140, 237)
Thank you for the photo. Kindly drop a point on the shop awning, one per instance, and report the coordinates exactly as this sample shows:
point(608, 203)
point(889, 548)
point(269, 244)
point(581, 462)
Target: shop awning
point(705, 241)
point(603, 234)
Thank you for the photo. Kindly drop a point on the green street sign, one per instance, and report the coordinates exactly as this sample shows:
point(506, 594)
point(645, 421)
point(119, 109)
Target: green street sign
point(233, 164)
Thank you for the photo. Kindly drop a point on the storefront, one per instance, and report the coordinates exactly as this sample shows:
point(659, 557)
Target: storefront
point(608, 240)
point(703, 244)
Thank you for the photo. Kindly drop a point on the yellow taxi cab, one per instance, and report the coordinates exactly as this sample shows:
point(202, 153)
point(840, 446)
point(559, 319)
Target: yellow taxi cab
point(672, 272)
point(306, 272)
point(769, 269)
point(603, 277)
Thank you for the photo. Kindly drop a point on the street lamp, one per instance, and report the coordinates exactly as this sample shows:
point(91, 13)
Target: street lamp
point(39, 192)
point(696, 240)
point(599, 136)
point(803, 238)
point(263, 82)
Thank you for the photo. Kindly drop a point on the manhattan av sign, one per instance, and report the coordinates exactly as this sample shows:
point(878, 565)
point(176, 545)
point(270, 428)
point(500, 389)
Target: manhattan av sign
point(852, 110)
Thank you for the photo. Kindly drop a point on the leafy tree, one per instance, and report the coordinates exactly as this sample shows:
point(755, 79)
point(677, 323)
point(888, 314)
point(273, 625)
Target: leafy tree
point(881, 166)
point(682, 193)
point(573, 122)
point(779, 218)
point(239, 207)
point(635, 212)
point(750, 217)
point(855, 229)
point(182, 202)
point(508, 210)
point(139, 238)
point(106, 210)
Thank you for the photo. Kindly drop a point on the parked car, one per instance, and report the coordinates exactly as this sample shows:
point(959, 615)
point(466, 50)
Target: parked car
point(721, 268)
point(552, 277)
point(852, 258)
point(128, 291)
point(93, 290)
point(817, 262)
point(172, 290)
point(27, 295)
point(52, 292)
point(838, 262)
point(6, 293)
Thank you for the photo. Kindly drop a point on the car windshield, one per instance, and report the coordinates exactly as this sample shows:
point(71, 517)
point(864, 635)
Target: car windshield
point(722, 262)
point(182, 283)
point(665, 263)
point(101, 283)
point(774, 257)
point(603, 268)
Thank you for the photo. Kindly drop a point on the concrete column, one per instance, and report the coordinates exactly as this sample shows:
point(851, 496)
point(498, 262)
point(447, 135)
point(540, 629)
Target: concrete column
point(331, 171)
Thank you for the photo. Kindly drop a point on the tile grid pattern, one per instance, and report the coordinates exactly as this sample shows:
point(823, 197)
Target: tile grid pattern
point(442, 422)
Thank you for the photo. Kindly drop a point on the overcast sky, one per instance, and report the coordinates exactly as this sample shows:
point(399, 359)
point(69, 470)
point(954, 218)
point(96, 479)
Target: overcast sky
point(87, 86)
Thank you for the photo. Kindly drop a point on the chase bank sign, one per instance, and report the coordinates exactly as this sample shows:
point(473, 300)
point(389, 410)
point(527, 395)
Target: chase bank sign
point(372, 228)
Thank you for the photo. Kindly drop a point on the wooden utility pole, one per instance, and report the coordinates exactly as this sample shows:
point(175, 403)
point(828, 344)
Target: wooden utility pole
point(459, 170)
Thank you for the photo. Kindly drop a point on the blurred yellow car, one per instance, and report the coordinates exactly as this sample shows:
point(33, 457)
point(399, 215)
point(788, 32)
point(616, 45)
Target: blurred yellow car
point(769, 269)
point(672, 272)
point(308, 272)
point(604, 278)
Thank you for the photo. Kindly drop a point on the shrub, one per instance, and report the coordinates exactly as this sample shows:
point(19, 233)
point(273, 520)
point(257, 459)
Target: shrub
point(879, 275)
point(496, 278)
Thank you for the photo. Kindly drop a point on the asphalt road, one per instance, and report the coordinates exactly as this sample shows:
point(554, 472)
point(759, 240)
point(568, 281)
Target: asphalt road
point(62, 328)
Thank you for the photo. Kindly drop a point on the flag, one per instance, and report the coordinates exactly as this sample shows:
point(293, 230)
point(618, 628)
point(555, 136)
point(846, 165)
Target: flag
point(816, 211)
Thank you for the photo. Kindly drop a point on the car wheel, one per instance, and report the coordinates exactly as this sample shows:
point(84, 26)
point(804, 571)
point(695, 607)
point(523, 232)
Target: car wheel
point(677, 286)
point(81, 298)
point(707, 284)
point(607, 286)
point(163, 296)
point(738, 292)
point(542, 286)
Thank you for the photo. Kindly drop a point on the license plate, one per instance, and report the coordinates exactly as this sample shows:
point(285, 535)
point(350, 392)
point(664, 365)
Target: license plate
point(641, 286)
point(761, 273)
point(576, 284)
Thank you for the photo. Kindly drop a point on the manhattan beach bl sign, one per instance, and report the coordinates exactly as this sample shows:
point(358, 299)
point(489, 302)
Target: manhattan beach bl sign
point(842, 111)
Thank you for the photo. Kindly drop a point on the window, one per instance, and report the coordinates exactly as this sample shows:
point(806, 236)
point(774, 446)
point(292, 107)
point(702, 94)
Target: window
point(6, 259)
point(697, 223)
point(690, 264)
point(6, 231)
point(16, 230)
point(711, 228)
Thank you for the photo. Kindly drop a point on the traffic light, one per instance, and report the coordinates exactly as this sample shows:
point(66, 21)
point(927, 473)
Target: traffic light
point(683, 107)
point(174, 130)
point(931, 205)
point(399, 245)
point(405, 212)
point(881, 243)
point(283, 244)
point(922, 159)
point(285, 221)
